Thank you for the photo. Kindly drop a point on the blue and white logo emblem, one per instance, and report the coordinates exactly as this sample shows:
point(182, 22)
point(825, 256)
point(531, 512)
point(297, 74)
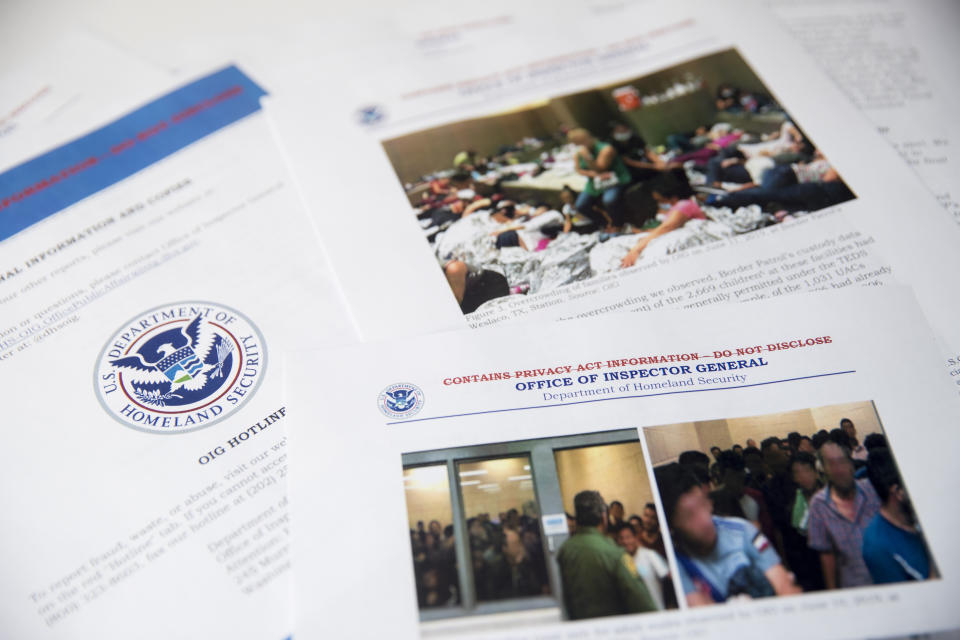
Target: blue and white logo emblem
point(180, 367)
point(370, 114)
point(400, 400)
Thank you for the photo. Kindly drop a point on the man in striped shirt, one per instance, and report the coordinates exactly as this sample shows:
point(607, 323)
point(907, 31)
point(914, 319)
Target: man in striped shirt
point(839, 514)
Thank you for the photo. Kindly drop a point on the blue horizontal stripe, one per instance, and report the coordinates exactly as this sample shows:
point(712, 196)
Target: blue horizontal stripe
point(59, 178)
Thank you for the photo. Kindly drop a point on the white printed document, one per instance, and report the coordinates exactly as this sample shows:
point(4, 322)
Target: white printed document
point(894, 59)
point(54, 93)
point(779, 465)
point(152, 271)
point(623, 157)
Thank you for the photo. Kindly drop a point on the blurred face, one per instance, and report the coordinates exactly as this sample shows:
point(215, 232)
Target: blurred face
point(849, 429)
point(628, 540)
point(734, 481)
point(430, 579)
point(513, 546)
point(435, 529)
point(716, 452)
point(805, 476)
point(900, 494)
point(806, 446)
point(751, 442)
point(616, 513)
point(637, 523)
point(529, 538)
point(621, 133)
point(567, 197)
point(649, 518)
point(837, 466)
point(775, 457)
point(581, 138)
point(692, 521)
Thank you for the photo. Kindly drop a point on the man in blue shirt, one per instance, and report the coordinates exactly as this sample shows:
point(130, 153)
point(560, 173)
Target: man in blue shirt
point(893, 547)
point(719, 558)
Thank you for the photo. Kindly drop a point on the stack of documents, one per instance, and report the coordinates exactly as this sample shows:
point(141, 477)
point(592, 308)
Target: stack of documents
point(537, 321)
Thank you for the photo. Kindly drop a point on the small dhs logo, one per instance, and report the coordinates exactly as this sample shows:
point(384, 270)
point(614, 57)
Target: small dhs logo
point(400, 400)
point(180, 367)
point(370, 114)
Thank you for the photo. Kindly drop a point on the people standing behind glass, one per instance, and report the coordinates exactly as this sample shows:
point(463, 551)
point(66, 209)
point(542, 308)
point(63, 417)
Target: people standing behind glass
point(651, 566)
point(516, 572)
point(650, 534)
point(615, 515)
point(434, 560)
point(598, 578)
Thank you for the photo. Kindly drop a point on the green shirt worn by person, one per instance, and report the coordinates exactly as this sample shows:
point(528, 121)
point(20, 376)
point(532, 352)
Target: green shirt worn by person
point(800, 513)
point(618, 168)
point(599, 578)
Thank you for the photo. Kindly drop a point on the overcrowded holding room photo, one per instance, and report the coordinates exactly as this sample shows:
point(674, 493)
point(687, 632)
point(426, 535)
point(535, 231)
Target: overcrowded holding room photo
point(532, 199)
point(779, 504)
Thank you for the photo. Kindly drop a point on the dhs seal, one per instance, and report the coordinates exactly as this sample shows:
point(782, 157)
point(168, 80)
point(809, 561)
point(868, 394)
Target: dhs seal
point(370, 114)
point(180, 367)
point(400, 400)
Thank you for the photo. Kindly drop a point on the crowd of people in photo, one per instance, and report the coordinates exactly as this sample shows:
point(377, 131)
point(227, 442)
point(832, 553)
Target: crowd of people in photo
point(506, 553)
point(612, 564)
point(621, 199)
point(507, 556)
point(795, 514)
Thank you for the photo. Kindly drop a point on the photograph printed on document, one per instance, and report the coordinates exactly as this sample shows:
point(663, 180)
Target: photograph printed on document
point(566, 525)
point(533, 199)
point(786, 503)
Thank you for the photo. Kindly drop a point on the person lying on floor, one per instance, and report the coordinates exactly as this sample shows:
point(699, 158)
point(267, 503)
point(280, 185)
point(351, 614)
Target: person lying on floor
point(782, 142)
point(726, 159)
point(797, 187)
point(680, 205)
point(735, 167)
point(473, 286)
point(721, 137)
point(533, 233)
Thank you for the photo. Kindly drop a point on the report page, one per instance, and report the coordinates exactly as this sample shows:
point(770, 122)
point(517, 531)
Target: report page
point(624, 157)
point(153, 269)
point(774, 468)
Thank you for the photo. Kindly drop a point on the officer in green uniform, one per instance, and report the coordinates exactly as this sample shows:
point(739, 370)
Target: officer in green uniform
point(599, 578)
